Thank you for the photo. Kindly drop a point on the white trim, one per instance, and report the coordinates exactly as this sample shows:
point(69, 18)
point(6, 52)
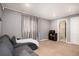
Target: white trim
point(43, 39)
point(73, 43)
point(58, 27)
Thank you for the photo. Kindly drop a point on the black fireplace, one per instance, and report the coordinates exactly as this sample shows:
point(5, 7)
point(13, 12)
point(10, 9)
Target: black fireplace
point(52, 35)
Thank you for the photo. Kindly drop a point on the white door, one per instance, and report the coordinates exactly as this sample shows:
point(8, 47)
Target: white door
point(74, 22)
point(62, 31)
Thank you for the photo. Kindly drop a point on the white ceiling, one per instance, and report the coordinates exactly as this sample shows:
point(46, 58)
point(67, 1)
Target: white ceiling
point(45, 10)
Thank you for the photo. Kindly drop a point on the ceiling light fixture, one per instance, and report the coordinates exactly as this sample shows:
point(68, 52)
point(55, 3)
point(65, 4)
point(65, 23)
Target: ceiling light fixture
point(71, 9)
point(54, 15)
point(27, 5)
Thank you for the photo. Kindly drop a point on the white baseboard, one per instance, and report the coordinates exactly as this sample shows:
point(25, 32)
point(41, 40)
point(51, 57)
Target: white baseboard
point(73, 43)
point(43, 39)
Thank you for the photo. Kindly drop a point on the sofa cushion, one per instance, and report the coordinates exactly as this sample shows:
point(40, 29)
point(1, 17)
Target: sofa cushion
point(4, 50)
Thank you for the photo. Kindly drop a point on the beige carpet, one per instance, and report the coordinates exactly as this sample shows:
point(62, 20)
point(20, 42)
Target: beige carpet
point(52, 48)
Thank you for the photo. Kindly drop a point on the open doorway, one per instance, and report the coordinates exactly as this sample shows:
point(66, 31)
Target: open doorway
point(62, 31)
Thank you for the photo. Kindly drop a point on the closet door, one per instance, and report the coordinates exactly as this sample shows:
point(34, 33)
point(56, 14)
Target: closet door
point(74, 22)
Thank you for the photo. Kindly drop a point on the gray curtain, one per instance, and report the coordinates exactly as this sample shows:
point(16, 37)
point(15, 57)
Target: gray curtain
point(29, 26)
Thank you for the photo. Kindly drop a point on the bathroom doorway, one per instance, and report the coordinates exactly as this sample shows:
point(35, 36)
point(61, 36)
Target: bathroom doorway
point(62, 31)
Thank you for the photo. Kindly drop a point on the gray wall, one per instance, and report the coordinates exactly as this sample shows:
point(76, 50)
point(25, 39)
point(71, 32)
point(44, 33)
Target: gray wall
point(0, 17)
point(0, 28)
point(0, 11)
point(53, 25)
point(11, 23)
point(74, 25)
point(43, 28)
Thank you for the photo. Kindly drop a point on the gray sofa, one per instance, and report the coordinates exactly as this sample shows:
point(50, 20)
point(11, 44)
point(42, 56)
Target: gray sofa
point(8, 49)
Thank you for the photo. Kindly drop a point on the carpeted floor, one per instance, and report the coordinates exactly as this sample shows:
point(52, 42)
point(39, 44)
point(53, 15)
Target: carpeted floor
point(52, 48)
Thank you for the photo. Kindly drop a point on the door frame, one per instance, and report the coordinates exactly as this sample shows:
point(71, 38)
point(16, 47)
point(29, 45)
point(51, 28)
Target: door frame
point(64, 19)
